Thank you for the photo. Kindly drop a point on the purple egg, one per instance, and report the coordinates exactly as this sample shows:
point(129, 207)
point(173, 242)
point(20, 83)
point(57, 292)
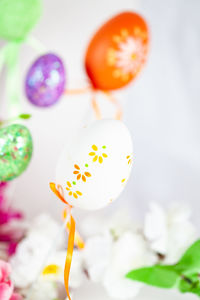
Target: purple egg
point(45, 80)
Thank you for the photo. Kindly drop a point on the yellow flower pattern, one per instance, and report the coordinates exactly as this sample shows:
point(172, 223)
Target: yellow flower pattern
point(129, 159)
point(80, 175)
point(98, 155)
point(71, 191)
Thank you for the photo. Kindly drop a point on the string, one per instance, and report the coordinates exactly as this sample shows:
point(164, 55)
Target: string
point(70, 249)
point(78, 91)
point(95, 106)
point(78, 241)
point(72, 236)
point(111, 98)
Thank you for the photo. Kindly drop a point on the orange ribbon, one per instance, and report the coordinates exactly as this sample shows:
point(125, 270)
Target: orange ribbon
point(78, 241)
point(73, 236)
point(95, 106)
point(70, 249)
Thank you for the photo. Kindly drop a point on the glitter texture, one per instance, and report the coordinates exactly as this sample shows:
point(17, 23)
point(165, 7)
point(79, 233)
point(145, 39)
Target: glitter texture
point(45, 81)
point(15, 151)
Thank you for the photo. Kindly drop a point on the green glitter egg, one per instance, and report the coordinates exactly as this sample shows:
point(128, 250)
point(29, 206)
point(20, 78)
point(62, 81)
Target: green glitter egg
point(18, 17)
point(16, 149)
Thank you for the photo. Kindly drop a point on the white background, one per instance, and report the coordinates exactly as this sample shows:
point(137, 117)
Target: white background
point(161, 108)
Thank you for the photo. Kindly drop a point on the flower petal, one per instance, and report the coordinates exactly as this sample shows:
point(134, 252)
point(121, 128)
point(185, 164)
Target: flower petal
point(95, 158)
point(79, 176)
point(88, 174)
point(94, 147)
point(100, 159)
point(105, 155)
point(6, 290)
point(96, 255)
point(84, 178)
point(92, 153)
point(16, 297)
point(120, 287)
point(69, 184)
point(77, 167)
point(75, 196)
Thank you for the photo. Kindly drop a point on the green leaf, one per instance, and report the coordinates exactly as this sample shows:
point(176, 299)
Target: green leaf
point(190, 284)
point(25, 116)
point(186, 284)
point(190, 261)
point(196, 291)
point(159, 276)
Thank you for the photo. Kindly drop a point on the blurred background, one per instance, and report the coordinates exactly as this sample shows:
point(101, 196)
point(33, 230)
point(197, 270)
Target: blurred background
point(161, 107)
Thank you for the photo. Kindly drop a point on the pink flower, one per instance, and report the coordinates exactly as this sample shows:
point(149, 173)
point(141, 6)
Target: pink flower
point(11, 231)
point(6, 285)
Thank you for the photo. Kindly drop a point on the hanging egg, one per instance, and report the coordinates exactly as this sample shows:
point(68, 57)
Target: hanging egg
point(16, 148)
point(45, 80)
point(117, 52)
point(93, 169)
point(18, 17)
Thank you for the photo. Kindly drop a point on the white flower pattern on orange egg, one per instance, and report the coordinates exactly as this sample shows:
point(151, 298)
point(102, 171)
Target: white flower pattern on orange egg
point(128, 54)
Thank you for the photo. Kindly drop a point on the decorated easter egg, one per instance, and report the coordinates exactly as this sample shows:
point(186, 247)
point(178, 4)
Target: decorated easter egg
point(94, 168)
point(45, 80)
point(18, 17)
point(117, 52)
point(16, 148)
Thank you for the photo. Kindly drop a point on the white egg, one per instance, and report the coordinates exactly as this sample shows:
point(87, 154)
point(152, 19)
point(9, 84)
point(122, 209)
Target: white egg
point(93, 169)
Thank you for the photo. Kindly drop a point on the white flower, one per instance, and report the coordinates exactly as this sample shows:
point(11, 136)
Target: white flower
point(54, 268)
point(101, 233)
point(27, 261)
point(119, 223)
point(116, 224)
point(114, 251)
point(46, 226)
point(76, 275)
point(41, 290)
point(169, 233)
point(128, 252)
point(32, 251)
point(96, 255)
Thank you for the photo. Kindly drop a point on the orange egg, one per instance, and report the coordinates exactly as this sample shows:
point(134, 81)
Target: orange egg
point(117, 52)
